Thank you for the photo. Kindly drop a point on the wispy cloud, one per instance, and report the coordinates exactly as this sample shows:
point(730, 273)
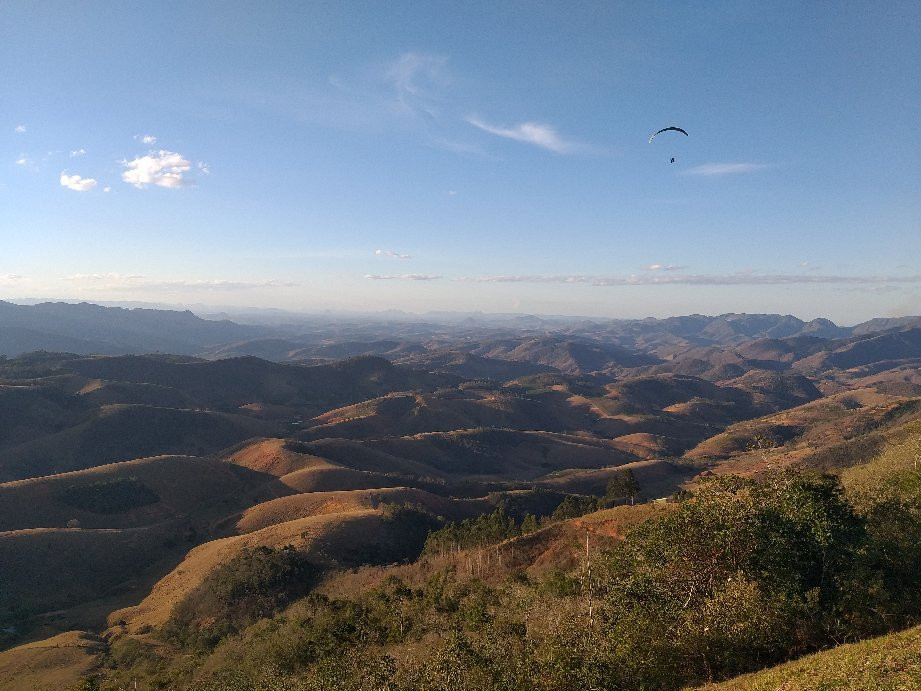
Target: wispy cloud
point(161, 168)
point(402, 277)
point(535, 133)
point(109, 276)
point(392, 254)
point(740, 278)
point(23, 160)
point(10, 278)
point(77, 183)
point(406, 91)
point(148, 139)
point(138, 282)
point(76, 153)
point(665, 267)
point(413, 77)
point(218, 285)
point(20, 129)
point(715, 169)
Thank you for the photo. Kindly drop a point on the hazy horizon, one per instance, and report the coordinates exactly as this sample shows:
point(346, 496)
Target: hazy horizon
point(356, 157)
point(241, 313)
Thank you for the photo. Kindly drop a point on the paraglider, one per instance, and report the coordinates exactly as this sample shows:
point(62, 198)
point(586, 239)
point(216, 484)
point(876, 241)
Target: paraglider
point(668, 129)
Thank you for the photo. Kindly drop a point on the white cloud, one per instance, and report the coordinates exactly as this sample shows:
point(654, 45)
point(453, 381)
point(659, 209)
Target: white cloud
point(161, 168)
point(714, 169)
point(77, 183)
point(20, 129)
point(664, 267)
point(739, 278)
point(204, 168)
point(23, 160)
point(147, 138)
point(538, 134)
point(391, 253)
point(77, 153)
point(110, 276)
point(106, 189)
point(216, 285)
point(10, 278)
point(402, 277)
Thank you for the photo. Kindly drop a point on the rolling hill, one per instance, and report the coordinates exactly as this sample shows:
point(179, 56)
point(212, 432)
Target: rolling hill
point(128, 478)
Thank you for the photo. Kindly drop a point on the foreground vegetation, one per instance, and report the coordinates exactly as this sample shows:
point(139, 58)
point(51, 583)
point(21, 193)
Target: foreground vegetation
point(739, 577)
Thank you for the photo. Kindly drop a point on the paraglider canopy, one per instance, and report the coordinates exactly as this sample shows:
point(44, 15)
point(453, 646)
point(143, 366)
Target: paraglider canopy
point(668, 129)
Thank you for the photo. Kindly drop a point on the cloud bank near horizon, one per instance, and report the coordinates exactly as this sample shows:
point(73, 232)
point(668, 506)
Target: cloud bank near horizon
point(735, 279)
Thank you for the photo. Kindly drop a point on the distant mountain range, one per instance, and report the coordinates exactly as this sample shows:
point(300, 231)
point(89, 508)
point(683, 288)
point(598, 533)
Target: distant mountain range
point(86, 328)
point(586, 345)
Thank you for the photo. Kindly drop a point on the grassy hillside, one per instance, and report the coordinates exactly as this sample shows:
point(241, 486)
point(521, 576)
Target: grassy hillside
point(470, 455)
point(843, 429)
point(886, 662)
point(50, 665)
point(133, 493)
point(344, 538)
point(124, 432)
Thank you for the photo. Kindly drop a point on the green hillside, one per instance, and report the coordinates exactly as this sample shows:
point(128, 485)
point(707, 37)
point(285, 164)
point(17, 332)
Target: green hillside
point(877, 664)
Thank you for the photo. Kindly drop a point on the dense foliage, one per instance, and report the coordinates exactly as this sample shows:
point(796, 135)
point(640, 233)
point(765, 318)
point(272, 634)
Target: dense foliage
point(109, 496)
point(254, 584)
point(490, 528)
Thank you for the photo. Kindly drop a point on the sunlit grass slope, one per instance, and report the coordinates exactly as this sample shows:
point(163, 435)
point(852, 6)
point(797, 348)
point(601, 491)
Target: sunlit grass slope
point(884, 663)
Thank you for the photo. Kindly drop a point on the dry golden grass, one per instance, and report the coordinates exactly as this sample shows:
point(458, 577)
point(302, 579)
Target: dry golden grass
point(124, 432)
point(267, 411)
point(327, 539)
point(473, 454)
point(642, 444)
point(270, 456)
point(329, 477)
point(887, 663)
point(302, 472)
point(823, 422)
point(45, 569)
point(184, 484)
point(51, 664)
point(319, 503)
point(657, 478)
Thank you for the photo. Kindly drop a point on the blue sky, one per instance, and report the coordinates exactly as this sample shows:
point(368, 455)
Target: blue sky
point(465, 156)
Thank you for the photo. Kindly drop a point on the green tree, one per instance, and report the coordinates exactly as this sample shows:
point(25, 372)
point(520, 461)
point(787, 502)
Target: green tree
point(528, 524)
point(622, 485)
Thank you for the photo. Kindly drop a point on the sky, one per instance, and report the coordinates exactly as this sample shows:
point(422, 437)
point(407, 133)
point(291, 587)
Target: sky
point(476, 156)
